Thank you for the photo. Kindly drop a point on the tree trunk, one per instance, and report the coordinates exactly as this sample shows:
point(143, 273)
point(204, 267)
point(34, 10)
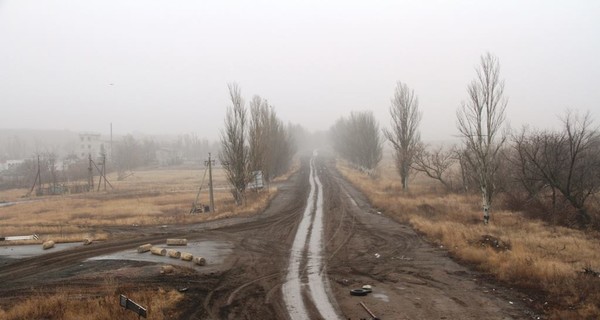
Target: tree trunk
point(583, 218)
point(404, 176)
point(486, 205)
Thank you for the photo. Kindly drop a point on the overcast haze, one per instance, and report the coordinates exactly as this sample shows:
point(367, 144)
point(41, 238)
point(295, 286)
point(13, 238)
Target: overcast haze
point(162, 66)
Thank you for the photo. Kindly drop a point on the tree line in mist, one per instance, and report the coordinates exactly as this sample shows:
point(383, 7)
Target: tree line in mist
point(552, 174)
point(126, 155)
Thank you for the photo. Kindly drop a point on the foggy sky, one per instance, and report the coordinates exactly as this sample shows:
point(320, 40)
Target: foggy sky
point(163, 66)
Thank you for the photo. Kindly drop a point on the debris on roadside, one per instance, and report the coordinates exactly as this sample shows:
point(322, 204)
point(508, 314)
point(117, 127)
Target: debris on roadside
point(158, 251)
point(144, 248)
point(495, 243)
point(177, 242)
point(174, 254)
point(373, 316)
point(48, 245)
point(166, 269)
point(186, 256)
point(377, 255)
point(591, 272)
point(358, 292)
point(199, 261)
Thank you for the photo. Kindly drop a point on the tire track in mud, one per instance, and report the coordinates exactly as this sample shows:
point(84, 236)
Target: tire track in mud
point(308, 248)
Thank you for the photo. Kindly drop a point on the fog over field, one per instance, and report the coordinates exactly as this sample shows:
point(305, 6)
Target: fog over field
point(161, 67)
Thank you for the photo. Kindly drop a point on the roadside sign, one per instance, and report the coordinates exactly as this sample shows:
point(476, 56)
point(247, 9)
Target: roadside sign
point(257, 182)
point(129, 304)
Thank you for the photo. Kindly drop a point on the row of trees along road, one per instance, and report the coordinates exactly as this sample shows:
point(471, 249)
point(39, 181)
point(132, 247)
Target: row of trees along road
point(357, 139)
point(555, 172)
point(258, 143)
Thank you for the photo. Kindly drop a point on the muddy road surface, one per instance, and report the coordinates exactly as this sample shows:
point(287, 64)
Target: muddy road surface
point(318, 239)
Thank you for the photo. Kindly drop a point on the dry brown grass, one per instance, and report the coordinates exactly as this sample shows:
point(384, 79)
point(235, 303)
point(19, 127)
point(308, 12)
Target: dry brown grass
point(541, 258)
point(147, 198)
point(102, 305)
point(154, 197)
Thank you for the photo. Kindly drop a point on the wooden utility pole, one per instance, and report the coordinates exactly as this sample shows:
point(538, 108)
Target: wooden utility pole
point(39, 176)
point(104, 169)
point(90, 174)
point(38, 179)
point(210, 184)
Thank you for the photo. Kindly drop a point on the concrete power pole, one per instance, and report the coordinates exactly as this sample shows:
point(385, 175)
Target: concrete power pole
point(210, 183)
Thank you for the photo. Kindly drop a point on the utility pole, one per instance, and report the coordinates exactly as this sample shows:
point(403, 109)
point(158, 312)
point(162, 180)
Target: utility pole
point(210, 182)
point(111, 143)
point(90, 173)
point(104, 169)
point(39, 176)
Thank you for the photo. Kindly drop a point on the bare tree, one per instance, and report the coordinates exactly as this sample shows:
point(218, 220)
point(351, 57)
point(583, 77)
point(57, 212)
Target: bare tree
point(281, 147)
point(480, 122)
point(271, 145)
point(436, 164)
point(258, 134)
point(527, 175)
point(357, 139)
point(565, 161)
point(404, 134)
point(234, 154)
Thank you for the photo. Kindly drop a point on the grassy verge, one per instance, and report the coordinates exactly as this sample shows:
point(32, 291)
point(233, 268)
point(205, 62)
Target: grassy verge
point(102, 305)
point(532, 255)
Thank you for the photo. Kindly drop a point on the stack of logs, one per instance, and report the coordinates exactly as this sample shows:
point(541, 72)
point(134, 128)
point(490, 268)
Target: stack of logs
point(175, 254)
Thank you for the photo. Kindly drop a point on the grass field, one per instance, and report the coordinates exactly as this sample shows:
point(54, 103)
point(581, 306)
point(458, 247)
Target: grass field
point(103, 304)
point(518, 251)
point(154, 197)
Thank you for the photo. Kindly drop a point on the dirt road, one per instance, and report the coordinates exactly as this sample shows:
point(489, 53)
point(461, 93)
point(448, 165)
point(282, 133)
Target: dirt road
point(308, 251)
point(410, 278)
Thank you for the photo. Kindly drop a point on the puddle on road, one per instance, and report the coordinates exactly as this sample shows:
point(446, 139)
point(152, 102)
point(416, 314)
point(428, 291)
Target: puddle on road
point(313, 246)
point(214, 252)
point(32, 250)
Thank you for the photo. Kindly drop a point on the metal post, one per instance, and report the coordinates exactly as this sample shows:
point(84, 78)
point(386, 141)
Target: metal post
point(210, 184)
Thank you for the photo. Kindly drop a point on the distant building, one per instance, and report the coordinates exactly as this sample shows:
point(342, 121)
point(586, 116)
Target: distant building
point(9, 164)
point(90, 144)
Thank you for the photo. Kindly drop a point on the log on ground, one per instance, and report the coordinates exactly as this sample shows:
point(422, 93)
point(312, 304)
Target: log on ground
point(186, 256)
point(144, 248)
point(177, 242)
point(174, 253)
point(48, 244)
point(158, 251)
point(199, 261)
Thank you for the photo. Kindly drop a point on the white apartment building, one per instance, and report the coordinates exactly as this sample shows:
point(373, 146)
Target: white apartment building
point(90, 144)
